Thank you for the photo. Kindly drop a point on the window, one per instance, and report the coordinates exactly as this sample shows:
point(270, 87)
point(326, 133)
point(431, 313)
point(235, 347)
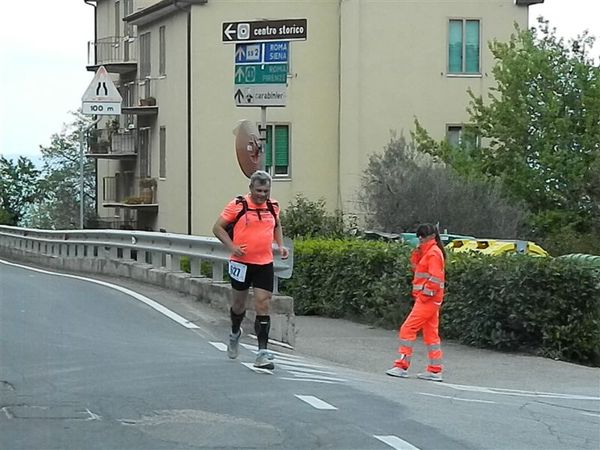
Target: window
point(117, 18)
point(162, 69)
point(277, 150)
point(162, 169)
point(463, 46)
point(457, 134)
point(145, 55)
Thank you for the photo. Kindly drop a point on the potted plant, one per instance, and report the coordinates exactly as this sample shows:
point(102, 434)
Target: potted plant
point(147, 187)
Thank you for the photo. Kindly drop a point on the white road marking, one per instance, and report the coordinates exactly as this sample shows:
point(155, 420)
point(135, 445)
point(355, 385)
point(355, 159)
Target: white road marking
point(93, 416)
point(257, 369)
point(590, 414)
point(151, 303)
point(316, 377)
point(219, 346)
point(287, 366)
point(308, 379)
point(456, 398)
point(396, 442)
point(315, 402)
point(516, 392)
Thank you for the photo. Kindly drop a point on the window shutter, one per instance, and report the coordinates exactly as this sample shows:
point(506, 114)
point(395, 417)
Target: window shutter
point(455, 45)
point(472, 46)
point(269, 146)
point(281, 145)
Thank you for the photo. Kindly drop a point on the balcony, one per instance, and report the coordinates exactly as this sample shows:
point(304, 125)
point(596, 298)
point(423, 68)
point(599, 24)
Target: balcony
point(115, 53)
point(124, 190)
point(113, 143)
point(139, 98)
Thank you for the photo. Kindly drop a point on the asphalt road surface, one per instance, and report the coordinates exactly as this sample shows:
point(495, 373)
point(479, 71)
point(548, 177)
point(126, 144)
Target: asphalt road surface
point(85, 364)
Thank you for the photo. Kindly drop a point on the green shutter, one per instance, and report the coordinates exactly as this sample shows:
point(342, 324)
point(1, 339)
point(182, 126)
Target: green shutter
point(281, 145)
point(472, 46)
point(455, 46)
point(269, 146)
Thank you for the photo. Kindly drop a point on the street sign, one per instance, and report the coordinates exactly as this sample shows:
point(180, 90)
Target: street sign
point(261, 73)
point(101, 97)
point(262, 53)
point(265, 30)
point(260, 95)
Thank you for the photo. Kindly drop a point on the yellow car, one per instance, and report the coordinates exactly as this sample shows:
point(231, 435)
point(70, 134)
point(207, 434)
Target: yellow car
point(496, 247)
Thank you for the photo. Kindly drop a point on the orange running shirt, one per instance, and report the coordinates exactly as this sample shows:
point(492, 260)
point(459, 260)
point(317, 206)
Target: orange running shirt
point(254, 229)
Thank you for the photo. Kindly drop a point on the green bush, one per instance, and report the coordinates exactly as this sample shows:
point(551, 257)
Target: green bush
point(543, 306)
point(305, 218)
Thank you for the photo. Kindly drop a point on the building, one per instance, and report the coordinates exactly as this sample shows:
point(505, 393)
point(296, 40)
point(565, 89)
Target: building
point(367, 68)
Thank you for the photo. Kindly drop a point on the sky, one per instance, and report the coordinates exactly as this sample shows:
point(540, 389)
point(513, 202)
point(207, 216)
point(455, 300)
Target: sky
point(43, 54)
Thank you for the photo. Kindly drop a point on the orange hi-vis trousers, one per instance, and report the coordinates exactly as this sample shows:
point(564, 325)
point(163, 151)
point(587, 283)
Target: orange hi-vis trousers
point(424, 316)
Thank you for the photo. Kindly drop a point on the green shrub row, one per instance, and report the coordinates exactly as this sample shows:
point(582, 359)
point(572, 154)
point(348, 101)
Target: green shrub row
point(545, 306)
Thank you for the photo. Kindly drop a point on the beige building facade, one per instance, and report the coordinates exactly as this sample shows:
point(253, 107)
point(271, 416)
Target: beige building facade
point(366, 70)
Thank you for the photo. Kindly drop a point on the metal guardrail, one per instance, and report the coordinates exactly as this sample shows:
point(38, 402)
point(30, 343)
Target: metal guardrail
point(161, 250)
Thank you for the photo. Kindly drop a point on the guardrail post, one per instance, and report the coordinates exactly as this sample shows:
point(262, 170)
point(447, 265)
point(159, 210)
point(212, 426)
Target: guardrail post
point(195, 267)
point(217, 271)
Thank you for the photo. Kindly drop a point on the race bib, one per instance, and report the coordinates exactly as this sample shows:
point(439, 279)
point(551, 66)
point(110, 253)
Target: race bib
point(237, 271)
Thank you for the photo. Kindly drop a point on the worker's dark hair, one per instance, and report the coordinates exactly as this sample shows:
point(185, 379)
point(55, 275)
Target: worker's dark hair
point(427, 229)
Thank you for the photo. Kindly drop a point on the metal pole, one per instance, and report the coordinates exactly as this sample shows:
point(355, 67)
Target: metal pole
point(263, 138)
point(81, 139)
point(82, 132)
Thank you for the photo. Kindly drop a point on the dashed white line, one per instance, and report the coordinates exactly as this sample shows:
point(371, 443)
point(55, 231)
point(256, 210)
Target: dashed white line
point(456, 398)
point(396, 442)
point(315, 402)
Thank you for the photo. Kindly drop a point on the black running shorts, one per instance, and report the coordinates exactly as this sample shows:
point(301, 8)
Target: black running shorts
point(258, 276)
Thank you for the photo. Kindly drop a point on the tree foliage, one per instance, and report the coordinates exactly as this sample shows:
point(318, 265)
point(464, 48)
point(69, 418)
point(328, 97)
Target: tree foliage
point(60, 182)
point(19, 188)
point(539, 128)
point(403, 187)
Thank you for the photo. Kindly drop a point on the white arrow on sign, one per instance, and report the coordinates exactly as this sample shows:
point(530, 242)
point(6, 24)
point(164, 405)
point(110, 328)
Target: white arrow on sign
point(229, 31)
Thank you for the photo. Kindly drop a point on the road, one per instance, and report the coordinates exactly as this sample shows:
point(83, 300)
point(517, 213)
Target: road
point(85, 364)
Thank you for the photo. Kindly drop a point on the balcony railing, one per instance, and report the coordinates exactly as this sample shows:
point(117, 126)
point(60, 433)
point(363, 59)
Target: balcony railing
point(139, 97)
point(106, 143)
point(117, 52)
point(126, 190)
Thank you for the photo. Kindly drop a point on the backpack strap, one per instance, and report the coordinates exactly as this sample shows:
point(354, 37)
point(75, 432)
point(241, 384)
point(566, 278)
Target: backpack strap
point(240, 199)
point(272, 210)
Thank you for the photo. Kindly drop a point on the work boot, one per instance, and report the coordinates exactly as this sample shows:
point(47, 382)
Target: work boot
point(397, 372)
point(430, 376)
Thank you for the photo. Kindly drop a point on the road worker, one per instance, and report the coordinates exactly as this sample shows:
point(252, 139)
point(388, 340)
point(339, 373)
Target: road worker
point(428, 262)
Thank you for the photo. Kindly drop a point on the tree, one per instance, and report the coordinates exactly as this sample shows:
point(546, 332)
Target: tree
point(19, 188)
point(539, 128)
point(403, 187)
point(60, 182)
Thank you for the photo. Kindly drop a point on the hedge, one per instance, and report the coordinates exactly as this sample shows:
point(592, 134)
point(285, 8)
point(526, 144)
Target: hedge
point(544, 306)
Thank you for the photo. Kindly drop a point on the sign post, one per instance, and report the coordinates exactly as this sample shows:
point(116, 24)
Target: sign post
point(101, 98)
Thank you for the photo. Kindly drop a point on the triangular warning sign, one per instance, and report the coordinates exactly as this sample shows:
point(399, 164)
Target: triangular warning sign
point(102, 89)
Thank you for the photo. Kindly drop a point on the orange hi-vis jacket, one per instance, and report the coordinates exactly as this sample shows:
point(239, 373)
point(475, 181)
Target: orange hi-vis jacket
point(429, 278)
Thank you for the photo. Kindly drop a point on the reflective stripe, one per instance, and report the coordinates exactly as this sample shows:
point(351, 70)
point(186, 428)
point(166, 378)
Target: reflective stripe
point(418, 287)
point(421, 275)
point(406, 343)
point(434, 347)
point(428, 292)
point(435, 362)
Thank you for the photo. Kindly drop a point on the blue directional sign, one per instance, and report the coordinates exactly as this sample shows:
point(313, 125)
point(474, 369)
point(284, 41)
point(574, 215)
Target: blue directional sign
point(276, 52)
point(262, 53)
